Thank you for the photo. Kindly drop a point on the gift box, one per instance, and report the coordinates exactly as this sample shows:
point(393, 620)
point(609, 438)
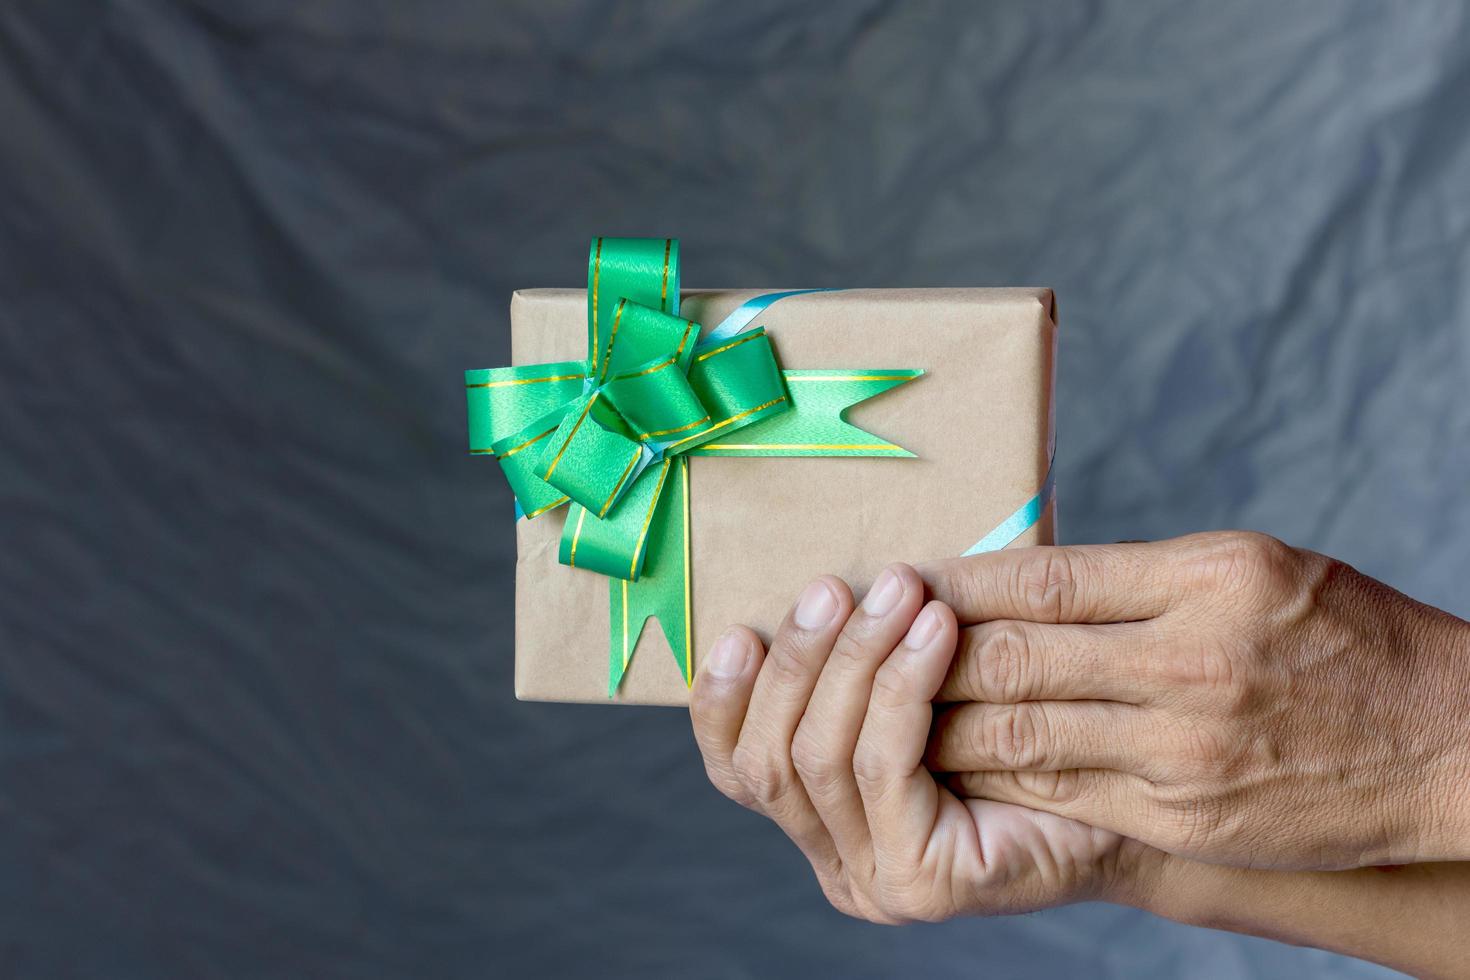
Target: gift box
point(908, 425)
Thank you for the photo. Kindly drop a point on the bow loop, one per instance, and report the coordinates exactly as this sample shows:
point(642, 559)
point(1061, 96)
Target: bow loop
point(641, 335)
point(617, 546)
point(644, 271)
point(658, 402)
point(613, 433)
point(590, 456)
point(648, 359)
point(739, 382)
point(638, 395)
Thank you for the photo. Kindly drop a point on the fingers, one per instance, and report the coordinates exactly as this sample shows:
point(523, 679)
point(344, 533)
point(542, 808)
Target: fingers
point(828, 733)
point(1010, 660)
point(799, 650)
point(1039, 736)
point(1108, 800)
point(717, 706)
point(761, 759)
point(899, 795)
point(1080, 584)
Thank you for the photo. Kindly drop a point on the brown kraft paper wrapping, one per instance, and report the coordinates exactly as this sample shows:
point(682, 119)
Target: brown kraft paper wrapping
point(761, 528)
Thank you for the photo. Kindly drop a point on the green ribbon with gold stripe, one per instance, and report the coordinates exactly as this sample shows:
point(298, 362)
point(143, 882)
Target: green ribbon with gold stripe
point(612, 434)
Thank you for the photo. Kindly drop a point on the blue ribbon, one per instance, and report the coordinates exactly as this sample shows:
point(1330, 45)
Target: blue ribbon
point(1018, 523)
point(749, 310)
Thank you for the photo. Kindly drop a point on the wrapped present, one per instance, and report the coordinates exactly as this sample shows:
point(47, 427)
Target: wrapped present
point(687, 459)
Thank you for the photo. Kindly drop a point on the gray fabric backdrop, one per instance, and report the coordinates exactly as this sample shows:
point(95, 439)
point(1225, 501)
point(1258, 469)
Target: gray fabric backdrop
point(255, 609)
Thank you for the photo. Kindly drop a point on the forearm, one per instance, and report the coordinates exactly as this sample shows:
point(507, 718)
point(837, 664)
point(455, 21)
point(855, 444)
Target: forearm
point(1414, 918)
point(1444, 816)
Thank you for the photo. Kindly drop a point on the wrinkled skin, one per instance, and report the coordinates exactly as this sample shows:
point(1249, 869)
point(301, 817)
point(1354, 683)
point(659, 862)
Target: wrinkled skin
point(1220, 696)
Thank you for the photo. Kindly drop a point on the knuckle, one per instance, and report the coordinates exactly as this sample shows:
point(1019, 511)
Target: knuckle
point(818, 770)
point(855, 649)
point(1240, 562)
point(870, 912)
point(865, 906)
point(1224, 679)
point(728, 784)
point(1239, 690)
point(868, 765)
point(893, 685)
point(1207, 748)
point(763, 778)
point(1013, 734)
point(1313, 576)
point(1002, 662)
point(1051, 787)
point(1047, 583)
point(902, 899)
point(1203, 664)
point(790, 661)
point(839, 896)
point(859, 630)
point(905, 909)
point(851, 651)
point(1214, 760)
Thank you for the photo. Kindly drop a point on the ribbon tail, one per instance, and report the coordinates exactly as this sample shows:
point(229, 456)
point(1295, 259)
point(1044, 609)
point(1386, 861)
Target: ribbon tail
point(662, 591)
point(816, 423)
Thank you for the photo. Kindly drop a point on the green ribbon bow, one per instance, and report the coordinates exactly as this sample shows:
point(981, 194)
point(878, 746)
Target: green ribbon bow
point(612, 433)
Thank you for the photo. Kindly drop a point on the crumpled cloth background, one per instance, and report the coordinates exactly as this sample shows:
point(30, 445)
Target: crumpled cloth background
point(255, 607)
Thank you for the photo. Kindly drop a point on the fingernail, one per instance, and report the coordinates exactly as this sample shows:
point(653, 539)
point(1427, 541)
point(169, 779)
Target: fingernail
point(884, 595)
point(727, 659)
point(923, 629)
point(816, 607)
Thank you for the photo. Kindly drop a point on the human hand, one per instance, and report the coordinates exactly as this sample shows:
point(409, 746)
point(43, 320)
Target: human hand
point(1220, 696)
point(825, 735)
